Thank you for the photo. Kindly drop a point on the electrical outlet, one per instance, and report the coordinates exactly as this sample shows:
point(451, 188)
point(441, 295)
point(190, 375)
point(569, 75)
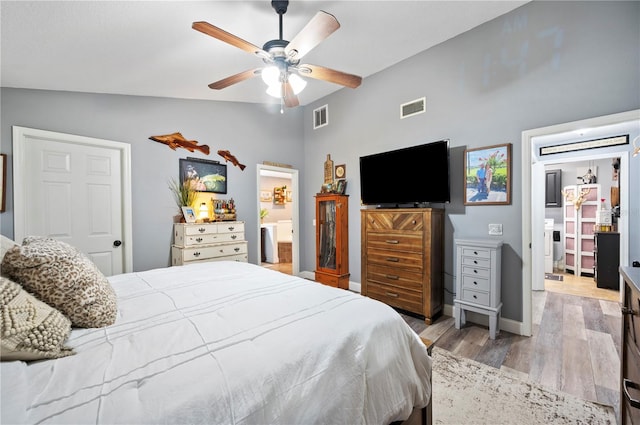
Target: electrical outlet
point(495, 229)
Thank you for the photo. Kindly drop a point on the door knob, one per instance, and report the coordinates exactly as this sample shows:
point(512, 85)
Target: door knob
point(117, 243)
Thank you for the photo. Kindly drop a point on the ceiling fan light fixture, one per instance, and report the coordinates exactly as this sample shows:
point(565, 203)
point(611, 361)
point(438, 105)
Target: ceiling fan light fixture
point(297, 84)
point(275, 90)
point(271, 75)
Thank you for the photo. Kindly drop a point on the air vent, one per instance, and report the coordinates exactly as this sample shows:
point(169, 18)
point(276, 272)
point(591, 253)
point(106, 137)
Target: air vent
point(414, 107)
point(320, 117)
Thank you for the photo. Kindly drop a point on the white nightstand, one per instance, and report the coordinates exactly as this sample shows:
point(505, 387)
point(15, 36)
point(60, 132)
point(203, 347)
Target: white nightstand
point(478, 281)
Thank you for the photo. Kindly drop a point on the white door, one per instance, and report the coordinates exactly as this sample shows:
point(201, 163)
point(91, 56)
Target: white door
point(71, 188)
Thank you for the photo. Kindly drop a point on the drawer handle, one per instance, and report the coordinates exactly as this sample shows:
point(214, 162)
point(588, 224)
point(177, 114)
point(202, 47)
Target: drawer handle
point(236, 249)
point(393, 277)
point(475, 252)
point(393, 259)
point(475, 262)
point(198, 239)
point(475, 271)
point(475, 297)
point(231, 228)
point(391, 294)
point(392, 241)
point(627, 383)
point(627, 310)
point(234, 236)
point(196, 254)
point(413, 222)
point(475, 283)
point(202, 230)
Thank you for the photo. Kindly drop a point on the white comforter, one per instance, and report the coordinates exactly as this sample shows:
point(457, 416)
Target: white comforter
point(228, 343)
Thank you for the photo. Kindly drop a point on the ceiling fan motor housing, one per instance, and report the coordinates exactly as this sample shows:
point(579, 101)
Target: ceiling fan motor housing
point(280, 6)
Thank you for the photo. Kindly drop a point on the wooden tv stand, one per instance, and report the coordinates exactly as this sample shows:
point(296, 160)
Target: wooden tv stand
point(403, 259)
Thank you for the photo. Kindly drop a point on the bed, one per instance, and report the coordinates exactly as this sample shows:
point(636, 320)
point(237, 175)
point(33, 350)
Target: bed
point(228, 343)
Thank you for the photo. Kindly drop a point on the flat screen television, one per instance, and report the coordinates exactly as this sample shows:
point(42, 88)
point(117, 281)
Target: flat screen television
point(414, 175)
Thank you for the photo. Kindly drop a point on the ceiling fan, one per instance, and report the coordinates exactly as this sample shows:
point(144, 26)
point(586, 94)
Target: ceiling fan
point(282, 58)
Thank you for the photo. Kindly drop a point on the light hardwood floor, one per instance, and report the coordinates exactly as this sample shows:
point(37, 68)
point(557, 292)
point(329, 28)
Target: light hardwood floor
point(581, 286)
point(281, 267)
point(575, 347)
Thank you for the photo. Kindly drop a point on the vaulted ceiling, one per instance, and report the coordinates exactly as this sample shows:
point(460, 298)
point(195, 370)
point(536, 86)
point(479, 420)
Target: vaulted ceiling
point(148, 48)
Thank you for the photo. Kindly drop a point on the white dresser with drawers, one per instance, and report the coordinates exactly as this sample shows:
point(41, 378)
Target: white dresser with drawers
point(215, 241)
point(478, 281)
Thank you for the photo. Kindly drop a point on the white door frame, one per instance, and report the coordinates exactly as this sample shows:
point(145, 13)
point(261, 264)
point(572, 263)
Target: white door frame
point(533, 206)
point(20, 137)
point(295, 214)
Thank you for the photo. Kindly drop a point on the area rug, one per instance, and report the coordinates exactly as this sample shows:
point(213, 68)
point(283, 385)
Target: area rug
point(468, 392)
point(551, 276)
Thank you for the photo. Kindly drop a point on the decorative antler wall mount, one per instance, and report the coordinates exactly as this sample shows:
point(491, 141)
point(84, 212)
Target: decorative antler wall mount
point(577, 202)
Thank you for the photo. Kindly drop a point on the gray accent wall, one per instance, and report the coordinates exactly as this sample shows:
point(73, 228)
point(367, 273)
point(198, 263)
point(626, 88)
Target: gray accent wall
point(544, 63)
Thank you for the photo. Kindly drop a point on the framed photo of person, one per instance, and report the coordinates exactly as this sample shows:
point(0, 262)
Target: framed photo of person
point(487, 175)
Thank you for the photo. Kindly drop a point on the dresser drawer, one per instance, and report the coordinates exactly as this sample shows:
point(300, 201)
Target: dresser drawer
point(476, 252)
point(209, 238)
point(476, 262)
point(393, 276)
point(476, 297)
point(393, 258)
point(396, 297)
point(394, 221)
point(632, 322)
point(476, 271)
point(395, 241)
point(631, 371)
point(231, 227)
point(198, 253)
point(476, 283)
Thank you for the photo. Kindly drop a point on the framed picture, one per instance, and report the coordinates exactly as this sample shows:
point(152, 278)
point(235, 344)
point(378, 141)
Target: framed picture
point(487, 175)
point(3, 181)
point(278, 195)
point(341, 186)
point(341, 171)
point(189, 214)
point(266, 196)
point(206, 175)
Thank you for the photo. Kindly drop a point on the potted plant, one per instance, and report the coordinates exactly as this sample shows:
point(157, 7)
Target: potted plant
point(183, 193)
point(263, 213)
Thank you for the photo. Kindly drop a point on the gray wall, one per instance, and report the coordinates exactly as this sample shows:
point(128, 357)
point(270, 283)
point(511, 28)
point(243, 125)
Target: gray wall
point(252, 133)
point(543, 64)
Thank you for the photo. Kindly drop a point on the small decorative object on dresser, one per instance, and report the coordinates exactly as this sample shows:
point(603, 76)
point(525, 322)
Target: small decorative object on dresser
point(202, 242)
point(478, 281)
point(630, 349)
point(402, 258)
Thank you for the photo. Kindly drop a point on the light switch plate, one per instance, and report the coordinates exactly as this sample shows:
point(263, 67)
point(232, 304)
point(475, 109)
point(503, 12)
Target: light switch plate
point(495, 229)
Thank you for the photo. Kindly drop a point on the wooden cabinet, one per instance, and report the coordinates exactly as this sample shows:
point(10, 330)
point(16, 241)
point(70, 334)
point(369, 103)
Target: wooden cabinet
point(580, 211)
point(332, 240)
point(607, 260)
point(478, 282)
point(402, 258)
point(630, 348)
point(200, 242)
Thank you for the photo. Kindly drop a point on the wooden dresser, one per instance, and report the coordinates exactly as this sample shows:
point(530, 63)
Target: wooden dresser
point(630, 348)
point(402, 258)
point(216, 241)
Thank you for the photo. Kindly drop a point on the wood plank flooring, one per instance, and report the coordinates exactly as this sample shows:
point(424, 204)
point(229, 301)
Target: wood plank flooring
point(575, 346)
point(581, 286)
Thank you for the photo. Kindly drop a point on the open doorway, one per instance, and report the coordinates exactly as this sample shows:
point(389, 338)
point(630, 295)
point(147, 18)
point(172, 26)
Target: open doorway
point(278, 218)
point(533, 179)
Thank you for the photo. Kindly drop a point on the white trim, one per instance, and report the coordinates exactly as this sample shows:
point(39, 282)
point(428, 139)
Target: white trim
point(533, 230)
point(20, 135)
point(295, 213)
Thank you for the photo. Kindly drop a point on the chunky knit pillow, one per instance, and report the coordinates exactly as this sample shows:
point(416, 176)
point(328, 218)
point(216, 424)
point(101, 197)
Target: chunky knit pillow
point(29, 328)
point(64, 278)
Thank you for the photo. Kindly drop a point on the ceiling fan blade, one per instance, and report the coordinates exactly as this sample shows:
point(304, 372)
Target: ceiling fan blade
point(321, 26)
point(290, 99)
point(226, 82)
point(222, 35)
point(331, 75)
